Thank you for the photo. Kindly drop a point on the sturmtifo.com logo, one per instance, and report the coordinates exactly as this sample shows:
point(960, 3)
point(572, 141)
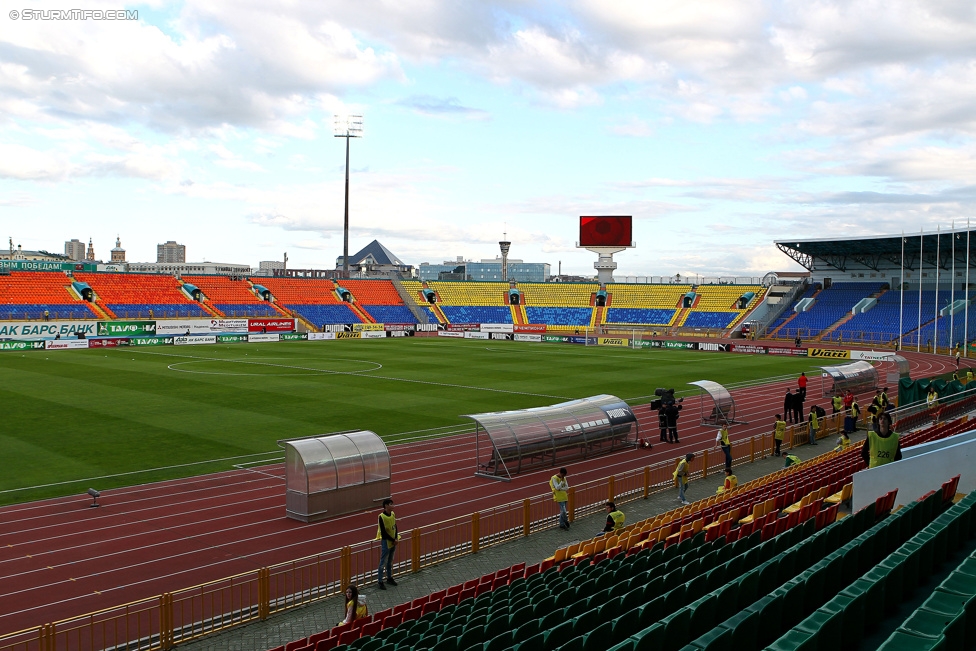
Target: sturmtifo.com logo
point(74, 14)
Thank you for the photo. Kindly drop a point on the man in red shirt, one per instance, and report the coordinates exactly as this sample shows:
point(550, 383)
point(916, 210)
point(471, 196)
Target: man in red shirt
point(802, 383)
point(848, 400)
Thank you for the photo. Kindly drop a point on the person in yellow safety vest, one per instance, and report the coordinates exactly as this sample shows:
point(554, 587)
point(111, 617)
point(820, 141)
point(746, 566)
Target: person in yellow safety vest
point(730, 483)
point(837, 402)
point(791, 460)
point(882, 445)
point(615, 518)
point(387, 534)
point(814, 420)
point(969, 376)
point(355, 606)
point(855, 413)
point(779, 430)
point(681, 473)
point(722, 441)
point(560, 495)
point(843, 442)
point(871, 415)
point(884, 399)
point(932, 398)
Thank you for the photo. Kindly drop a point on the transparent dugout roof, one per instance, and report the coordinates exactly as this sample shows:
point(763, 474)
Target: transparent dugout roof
point(336, 461)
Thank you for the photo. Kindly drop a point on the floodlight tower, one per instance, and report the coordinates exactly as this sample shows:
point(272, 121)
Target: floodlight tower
point(505, 246)
point(347, 126)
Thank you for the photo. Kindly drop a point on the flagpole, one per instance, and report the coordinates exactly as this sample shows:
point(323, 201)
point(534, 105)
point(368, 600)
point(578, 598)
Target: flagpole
point(901, 297)
point(965, 337)
point(921, 252)
point(952, 292)
point(938, 265)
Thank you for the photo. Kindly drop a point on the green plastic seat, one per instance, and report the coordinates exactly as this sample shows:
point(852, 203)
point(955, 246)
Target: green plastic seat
point(496, 626)
point(559, 635)
point(927, 624)
point(901, 641)
point(521, 616)
point(795, 640)
point(533, 643)
point(599, 638)
point(586, 622)
point(526, 630)
point(677, 628)
point(499, 642)
point(625, 625)
point(649, 639)
point(703, 614)
point(471, 635)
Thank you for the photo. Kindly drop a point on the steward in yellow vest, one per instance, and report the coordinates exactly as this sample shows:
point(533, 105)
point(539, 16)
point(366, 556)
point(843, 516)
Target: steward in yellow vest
point(779, 430)
point(730, 483)
point(882, 444)
point(615, 518)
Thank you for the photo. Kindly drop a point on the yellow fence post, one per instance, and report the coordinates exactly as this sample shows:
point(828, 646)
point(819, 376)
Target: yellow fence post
point(345, 567)
point(610, 489)
point(264, 592)
point(571, 503)
point(46, 637)
point(792, 436)
point(647, 481)
point(526, 516)
point(475, 532)
point(165, 621)
point(752, 450)
point(415, 550)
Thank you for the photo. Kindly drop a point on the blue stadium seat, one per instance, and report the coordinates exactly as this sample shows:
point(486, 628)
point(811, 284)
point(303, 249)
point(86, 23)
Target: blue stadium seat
point(246, 309)
point(477, 314)
point(709, 319)
point(639, 316)
point(36, 311)
point(569, 316)
point(390, 313)
point(159, 310)
point(318, 315)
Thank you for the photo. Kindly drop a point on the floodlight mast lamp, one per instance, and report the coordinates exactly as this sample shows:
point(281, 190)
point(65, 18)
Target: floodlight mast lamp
point(347, 126)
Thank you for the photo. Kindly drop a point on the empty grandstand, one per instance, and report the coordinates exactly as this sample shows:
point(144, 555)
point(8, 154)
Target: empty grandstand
point(129, 295)
point(652, 305)
point(313, 300)
point(566, 304)
point(32, 295)
point(233, 298)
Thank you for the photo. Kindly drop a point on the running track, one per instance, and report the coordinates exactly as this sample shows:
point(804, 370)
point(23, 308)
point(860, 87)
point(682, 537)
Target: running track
point(59, 558)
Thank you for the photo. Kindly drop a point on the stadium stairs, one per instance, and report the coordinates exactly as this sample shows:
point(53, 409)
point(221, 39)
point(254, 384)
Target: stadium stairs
point(518, 314)
point(599, 314)
point(826, 333)
point(792, 574)
point(794, 314)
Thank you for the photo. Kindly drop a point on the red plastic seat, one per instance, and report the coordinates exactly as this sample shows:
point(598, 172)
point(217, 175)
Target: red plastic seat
point(350, 636)
point(413, 613)
point(393, 620)
point(372, 628)
point(314, 639)
point(326, 644)
point(296, 644)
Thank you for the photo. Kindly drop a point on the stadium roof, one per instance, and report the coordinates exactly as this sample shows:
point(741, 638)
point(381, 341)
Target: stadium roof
point(373, 253)
point(883, 252)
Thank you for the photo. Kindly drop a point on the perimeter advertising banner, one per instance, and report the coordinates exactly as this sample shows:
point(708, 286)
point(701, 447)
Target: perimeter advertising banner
point(400, 327)
point(362, 327)
point(321, 336)
point(271, 325)
point(151, 341)
point(262, 337)
point(348, 335)
point(427, 327)
point(530, 328)
point(502, 335)
point(685, 345)
point(65, 344)
point(521, 337)
point(373, 334)
point(126, 328)
point(792, 352)
point(554, 339)
point(30, 330)
point(21, 345)
point(460, 327)
point(872, 356)
point(450, 333)
point(713, 347)
point(185, 327)
point(749, 348)
point(613, 341)
point(828, 353)
point(114, 342)
point(195, 340)
point(231, 339)
point(228, 325)
point(497, 327)
point(477, 335)
point(293, 336)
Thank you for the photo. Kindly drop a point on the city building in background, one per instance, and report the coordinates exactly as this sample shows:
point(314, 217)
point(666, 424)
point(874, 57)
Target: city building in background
point(170, 252)
point(485, 269)
point(375, 259)
point(74, 249)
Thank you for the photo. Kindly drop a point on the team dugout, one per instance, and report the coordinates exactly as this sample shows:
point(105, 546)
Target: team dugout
point(545, 436)
point(856, 377)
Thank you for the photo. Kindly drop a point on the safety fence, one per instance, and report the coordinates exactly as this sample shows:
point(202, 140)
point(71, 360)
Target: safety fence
point(160, 622)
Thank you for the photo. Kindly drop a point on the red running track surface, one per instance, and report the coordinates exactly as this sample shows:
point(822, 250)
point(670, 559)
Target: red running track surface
point(59, 558)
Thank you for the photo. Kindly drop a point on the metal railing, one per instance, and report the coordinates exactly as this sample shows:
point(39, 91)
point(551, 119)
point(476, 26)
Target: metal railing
point(160, 622)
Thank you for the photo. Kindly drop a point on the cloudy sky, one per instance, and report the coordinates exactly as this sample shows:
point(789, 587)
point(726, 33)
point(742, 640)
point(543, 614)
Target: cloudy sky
point(720, 126)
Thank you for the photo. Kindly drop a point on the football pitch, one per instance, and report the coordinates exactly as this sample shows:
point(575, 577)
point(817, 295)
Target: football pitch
point(130, 416)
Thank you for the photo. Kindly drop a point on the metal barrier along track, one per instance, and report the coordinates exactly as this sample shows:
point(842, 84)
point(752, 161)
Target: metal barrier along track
point(161, 622)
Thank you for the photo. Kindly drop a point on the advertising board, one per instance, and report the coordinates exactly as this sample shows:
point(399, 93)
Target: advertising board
point(713, 347)
point(348, 335)
point(373, 334)
point(261, 337)
point(522, 337)
point(450, 333)
point(497, 327)
point(555, 339)
point(65, 344)
point(427, 327)
point(150, 341)
point(271, 325)
point(399, 333)
point(502, 335)
point(114, 342)
point(126, 328)
point(476, 335)
point(828, 353)
point(362, 327)
point(337, 327)
point(684, 345)
point(29, 330)
point(792, 352)
point(460, 327)
point(20, 345)
point(228, 325)
point(749, 348)
point(173, 327)
point(231, 339)
point(529, 328)
point(321, 336)
point(400, 327)
point(195, 340)
point(872, 356)
point(613, 341)
point(293, 336)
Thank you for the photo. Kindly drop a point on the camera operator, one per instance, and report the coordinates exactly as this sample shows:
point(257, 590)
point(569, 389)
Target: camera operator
point(671, 412)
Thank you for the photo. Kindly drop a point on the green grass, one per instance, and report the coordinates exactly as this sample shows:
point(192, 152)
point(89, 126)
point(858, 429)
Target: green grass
point(74, 415)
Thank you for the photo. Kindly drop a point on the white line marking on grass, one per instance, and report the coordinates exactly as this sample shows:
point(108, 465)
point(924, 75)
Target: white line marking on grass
point(378, 377)
point(314, 371)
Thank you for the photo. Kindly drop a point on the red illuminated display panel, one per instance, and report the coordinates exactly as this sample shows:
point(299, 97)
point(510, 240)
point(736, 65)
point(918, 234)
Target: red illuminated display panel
point(605, 231)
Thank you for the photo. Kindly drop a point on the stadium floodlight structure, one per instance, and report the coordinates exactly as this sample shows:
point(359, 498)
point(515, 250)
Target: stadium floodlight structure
point(347, 126)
